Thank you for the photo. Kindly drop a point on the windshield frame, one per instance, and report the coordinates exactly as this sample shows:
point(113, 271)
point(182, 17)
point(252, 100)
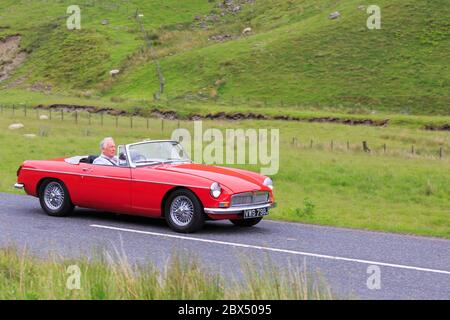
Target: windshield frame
point(134, 165)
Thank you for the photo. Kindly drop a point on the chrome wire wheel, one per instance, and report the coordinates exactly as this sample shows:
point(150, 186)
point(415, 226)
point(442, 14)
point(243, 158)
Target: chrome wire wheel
point(182, 211)
point(54, 196)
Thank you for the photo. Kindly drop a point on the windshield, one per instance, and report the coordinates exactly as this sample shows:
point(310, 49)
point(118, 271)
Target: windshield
point(157, 152)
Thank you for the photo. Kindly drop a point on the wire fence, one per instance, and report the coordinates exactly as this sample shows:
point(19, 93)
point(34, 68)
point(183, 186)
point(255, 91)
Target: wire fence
point(366, 147)
point(166, 126)
point(88, 118)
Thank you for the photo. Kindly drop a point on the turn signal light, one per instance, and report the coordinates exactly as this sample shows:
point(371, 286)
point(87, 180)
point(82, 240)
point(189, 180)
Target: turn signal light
point(224, 204)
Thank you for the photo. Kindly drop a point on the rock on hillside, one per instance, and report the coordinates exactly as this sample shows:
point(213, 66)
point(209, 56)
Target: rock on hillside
point(10, 56)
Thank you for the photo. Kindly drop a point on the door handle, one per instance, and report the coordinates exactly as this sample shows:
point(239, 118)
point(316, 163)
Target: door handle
point(86, 169)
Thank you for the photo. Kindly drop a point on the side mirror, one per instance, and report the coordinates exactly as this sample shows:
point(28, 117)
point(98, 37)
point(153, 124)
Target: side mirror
point(122, 156)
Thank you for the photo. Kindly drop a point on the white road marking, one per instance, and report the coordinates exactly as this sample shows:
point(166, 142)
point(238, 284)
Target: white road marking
point(301, 253)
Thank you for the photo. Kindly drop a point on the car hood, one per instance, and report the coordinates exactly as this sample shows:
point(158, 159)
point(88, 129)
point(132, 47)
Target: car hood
point(233, 180)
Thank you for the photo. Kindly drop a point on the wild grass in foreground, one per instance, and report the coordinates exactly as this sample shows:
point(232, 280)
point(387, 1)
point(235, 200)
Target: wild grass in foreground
point(23, 276)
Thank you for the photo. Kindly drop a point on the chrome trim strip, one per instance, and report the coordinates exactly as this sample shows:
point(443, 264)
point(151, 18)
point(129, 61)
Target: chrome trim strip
point(232, 210)
point(127, 150)
point(171, 184)
point(19, 185)
point(52, 171)
point(151, 141)
point(114, 178)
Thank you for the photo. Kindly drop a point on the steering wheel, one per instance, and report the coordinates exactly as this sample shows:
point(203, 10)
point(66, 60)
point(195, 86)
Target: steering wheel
point(138, 157)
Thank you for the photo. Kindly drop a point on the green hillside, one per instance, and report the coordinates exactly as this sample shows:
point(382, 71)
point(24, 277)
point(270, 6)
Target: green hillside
point(294, 56)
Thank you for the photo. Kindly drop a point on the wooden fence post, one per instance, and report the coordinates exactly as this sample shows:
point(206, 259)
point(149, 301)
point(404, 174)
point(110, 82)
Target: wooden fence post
point(384, 148)
point(62, 115)
point(76, 117)
point(117, 121)
point(366, 147)
point(440, 153)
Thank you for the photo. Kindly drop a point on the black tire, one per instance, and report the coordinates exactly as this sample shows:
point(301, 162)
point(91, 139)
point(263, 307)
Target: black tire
point(184, 221)
point(246, 222)
point(60, 207)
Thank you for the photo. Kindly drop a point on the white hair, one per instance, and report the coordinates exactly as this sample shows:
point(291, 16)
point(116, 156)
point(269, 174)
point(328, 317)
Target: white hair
point(104, 141)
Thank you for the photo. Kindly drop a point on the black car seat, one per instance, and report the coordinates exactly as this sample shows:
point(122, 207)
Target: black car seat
point(89, 159)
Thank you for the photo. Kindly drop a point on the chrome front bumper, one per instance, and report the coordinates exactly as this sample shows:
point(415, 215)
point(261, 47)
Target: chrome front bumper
point(238, 209)
point(19, 185)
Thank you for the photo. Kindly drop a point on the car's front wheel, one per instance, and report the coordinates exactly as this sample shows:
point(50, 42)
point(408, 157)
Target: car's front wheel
point(55, 199)
point(184, 212)
point(246, 222)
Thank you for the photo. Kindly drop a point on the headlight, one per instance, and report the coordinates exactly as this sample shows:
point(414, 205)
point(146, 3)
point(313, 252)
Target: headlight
point(268, 182)
point(215, 190)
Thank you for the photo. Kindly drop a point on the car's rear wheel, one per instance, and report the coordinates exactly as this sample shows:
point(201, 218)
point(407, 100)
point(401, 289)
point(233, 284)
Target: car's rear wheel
point(184, 212)
point(54, 198)
point(246, 222)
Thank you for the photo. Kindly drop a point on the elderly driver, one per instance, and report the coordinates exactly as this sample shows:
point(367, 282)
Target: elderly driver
point(108, 156)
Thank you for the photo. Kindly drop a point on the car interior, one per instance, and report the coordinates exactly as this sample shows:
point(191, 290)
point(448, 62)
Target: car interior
point(89, 159)
point(121, 156)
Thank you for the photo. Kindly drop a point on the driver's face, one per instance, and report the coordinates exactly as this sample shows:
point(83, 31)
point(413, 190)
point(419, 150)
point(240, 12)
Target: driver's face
point(110, 149)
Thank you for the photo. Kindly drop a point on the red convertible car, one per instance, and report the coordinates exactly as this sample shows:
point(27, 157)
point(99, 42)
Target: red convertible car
point(153, 178)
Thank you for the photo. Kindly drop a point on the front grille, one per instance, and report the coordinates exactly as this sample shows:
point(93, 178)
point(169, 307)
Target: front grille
point(248, 198)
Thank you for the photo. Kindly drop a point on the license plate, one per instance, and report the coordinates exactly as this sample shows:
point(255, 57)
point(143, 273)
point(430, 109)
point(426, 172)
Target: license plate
point(255, 213)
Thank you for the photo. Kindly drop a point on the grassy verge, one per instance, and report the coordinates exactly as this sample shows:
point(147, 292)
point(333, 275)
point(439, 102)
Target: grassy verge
point(113, 277)
point(331, 183)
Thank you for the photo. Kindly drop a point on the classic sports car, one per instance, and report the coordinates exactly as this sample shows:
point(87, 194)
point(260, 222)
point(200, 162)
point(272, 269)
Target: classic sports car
point(154, 178)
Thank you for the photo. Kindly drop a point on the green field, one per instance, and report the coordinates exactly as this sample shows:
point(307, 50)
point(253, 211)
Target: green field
point(395, 191)
point(295, 58)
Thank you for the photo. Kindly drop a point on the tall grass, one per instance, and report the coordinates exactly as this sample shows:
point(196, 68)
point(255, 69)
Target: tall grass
point(111, 276)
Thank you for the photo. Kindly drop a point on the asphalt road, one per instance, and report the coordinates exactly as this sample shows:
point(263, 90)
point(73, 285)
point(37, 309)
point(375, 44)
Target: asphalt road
point(409, 267)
